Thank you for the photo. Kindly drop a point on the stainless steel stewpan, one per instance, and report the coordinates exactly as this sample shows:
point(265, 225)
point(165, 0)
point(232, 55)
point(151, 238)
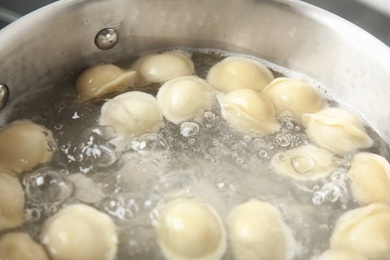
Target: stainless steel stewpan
point(67, 36)
point(61, 37)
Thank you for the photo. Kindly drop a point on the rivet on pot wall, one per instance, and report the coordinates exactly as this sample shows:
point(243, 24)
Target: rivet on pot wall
point(106, 39)
point(4, 94)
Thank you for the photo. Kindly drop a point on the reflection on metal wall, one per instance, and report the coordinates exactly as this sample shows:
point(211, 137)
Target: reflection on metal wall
point(374, 21)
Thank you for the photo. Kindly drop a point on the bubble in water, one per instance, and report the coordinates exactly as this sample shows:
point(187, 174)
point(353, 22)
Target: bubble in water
point(58, 126)
point(108, 156)
point(330, 192)
point(189, 129)
point(247, 138)
point(282, 140)
point(149, 142)
point(47, 185)
point(32, 214)
point(263, 154)
point(210, 116)
point(302, 164)
point(260, 143)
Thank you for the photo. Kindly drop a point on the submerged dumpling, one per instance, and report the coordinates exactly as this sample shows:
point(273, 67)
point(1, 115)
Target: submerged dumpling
point(185, 98)
point(80, 232)
point(370, 178)
point(20, 246)
point(11, 202)
point(25, 145)
point(293, 95)
point(239, 73)
point(364, 230)
point(132, 113)
point(304, 163)
point(336, 129)
point(256, 231)
point(102, 79)
point(188, 229)
point(249, 111)
point(165, 66)
point(341, 254)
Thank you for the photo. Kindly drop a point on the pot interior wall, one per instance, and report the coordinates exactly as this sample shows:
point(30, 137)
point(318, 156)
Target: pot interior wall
point(43, 46)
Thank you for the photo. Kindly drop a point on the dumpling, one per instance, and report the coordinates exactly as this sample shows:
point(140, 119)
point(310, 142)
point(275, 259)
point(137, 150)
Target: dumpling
point(132, 113)
point(370, 178)
point(25, 145)
point(256, 231)
point(20, 246)
point(188, 229)
point(239, 73)
point(11, 202)
point(341, 254)
point(102, 79)
point(247, 110)
point(80, 232)
point(165, 66)
point(364, 230)
point(304, 163)
point(337, 130)
point(185, 98)
point(293, 95)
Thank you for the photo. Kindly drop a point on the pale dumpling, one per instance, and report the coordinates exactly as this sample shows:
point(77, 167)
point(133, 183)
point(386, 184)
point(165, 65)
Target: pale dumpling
point(293, 95)
point(247, 110)
point(364, 230)
point(102, 79)
point(370, 178)
point(307, 162)
point(336, 129)
point(341, 254)
point(11, 202)
point(165, 66)
point(239, 73)
point(188, 229)
point(25, 145)
point(80, 232)
point(132, 113)
point(185, 98)
point(256, 231)
point(20, 246)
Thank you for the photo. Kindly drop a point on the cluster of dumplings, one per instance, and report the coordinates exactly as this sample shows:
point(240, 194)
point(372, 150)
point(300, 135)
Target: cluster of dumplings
point(248, 95)
point(77, 232)
point(189, 229)
point(250, 99)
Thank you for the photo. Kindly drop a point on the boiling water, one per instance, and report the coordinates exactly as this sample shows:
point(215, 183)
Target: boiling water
point(130, 179)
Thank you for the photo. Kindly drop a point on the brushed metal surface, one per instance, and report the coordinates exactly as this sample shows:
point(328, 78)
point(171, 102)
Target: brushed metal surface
point(36, 49)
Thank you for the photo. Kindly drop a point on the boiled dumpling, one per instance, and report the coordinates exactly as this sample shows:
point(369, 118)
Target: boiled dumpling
point(132, 113)
point(364, 230)
point(370, 178)
point(293, 95)
point(185, 98)
point(20, 246)
point(188, 229)
point(25, 145)
point(239, 73)
point(80, 232)
point(11, 202)
point(102, 79)
point(165, 66)
point(249, 111)
point(304, 163)
point(341, 254)
point(256, 231)
point(336, 129)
